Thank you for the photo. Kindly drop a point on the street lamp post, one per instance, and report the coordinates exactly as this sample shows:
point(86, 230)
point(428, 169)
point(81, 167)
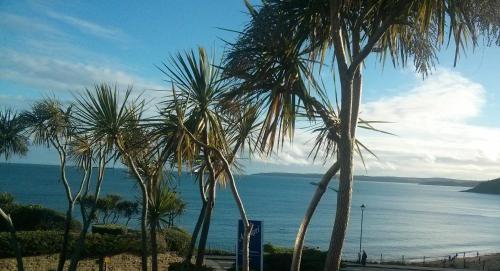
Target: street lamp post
point(361, 235)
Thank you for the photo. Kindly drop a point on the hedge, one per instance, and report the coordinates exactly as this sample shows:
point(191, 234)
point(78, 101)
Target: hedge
point(36, 217)
point(177, 239)
point(280, 259)
point(48, 242)
point(113, 229)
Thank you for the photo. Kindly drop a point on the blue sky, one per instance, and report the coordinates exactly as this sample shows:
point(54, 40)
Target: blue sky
point(447, 125)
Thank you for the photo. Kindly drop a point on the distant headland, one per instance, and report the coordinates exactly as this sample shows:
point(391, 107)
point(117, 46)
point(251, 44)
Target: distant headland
point(386, 179)
point(488, 187)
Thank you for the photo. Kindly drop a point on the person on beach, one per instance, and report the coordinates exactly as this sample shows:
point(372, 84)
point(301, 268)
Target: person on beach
point(363, 258)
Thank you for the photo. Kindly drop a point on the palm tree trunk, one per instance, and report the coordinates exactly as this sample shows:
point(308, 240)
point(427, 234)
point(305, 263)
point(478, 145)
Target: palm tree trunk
point(144, 212)
point(247, 227)
point(209, 209)
point(199, 222)
point(318, 194)
point(64, 249)
point(87, 219)
point(196, 231)
point(343, 207)
point(206, 224)
point(69, 213)
point(13, 239)
point(344, 194)
point(144, 232)
point(75, 257)
point(154, 247)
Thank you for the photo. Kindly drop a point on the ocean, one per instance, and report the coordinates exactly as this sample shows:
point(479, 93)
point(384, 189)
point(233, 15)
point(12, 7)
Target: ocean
point(400, 219)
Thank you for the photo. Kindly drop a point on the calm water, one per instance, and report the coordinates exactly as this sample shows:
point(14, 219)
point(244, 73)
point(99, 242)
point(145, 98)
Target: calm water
point(400, 219)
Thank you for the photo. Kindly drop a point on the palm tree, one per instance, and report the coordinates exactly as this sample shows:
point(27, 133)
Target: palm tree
point(197, 104)
point(49, 123)
point(12, 142)
point(164, 204)
point(347, 31)
point(104, 118)
point(200, 90)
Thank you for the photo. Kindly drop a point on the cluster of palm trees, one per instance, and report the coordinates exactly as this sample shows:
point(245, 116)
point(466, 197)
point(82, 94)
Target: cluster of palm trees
point(251, 102)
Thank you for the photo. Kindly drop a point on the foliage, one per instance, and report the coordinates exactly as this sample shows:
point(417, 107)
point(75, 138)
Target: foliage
point(12, 139)
point(113, 229)
point(177, 239)
point(110, 208)
point(36, 217)
point(280, 258)
point(49, 242)
point(6, 200)
point(164, 206)
point(32, 243)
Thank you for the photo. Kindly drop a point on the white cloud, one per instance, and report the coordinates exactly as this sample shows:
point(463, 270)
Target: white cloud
point(88, 27)
point(53, 74)
point(435, 137)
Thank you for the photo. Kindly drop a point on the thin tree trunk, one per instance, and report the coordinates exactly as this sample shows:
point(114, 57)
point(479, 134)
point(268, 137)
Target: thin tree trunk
point(87, 220)
point(75, 258)
point(210, 206)
point(199, 222)
point(206, 224)
point(13, 239)
point(247, 227)
point(144, 213)
point(154, 247)
point(196, 231)
point(318, 194)
point(64, 249)
point(144, 232)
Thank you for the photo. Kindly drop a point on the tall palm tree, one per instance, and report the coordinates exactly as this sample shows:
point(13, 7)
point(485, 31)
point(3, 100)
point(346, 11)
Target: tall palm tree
point(49, 123)
point(347, 32)
point(105, 116)
point(12, 142)
point(199, 90)
point(196, 102)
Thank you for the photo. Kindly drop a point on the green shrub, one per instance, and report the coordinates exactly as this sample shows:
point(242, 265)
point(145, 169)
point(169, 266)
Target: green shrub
point(32, 243)
point(48, 242)
point(190, 267)
point(108, 245)
point(6, 200)
point(280, 259)
point(177, 240)
point(36, 217)
point(113, 229)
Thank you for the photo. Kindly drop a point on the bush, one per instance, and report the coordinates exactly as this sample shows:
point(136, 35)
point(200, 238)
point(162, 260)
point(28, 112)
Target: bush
point(177, 240)
point(32, 243)
point(6, 200)
point(108, 245)
point(113, 229)
point(191, 267)
point(48, 242)
point(280, 259)
point(36, 217)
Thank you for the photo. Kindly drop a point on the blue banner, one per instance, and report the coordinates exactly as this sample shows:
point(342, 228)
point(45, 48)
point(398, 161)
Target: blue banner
point(255, 247)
